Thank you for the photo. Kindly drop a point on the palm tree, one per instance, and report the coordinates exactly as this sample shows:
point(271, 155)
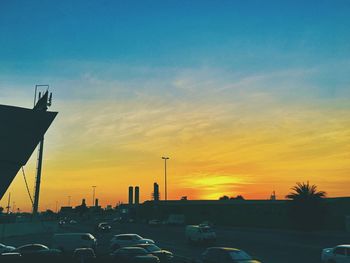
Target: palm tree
point(306, 208)
point(305, 191)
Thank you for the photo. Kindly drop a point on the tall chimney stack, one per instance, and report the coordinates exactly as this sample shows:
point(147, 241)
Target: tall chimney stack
point(131, 195)
point(137, 195)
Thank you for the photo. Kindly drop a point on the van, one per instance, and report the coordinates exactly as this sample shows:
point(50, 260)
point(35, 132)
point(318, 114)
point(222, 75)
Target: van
point(68, 242)
point(200, 233)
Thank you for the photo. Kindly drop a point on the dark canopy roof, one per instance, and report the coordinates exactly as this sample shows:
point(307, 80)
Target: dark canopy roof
point(20, 132)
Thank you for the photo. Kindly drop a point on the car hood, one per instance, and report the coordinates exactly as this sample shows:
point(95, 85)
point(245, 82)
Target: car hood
point(249, 261)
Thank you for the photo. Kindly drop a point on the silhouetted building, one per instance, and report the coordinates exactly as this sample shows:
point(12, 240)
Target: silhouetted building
point(83, 202)
point(137, 195)
point(131, 195)
point(96, 202)
point(155, 194)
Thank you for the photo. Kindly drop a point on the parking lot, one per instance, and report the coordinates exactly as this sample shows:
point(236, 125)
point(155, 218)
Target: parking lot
point(271, 246)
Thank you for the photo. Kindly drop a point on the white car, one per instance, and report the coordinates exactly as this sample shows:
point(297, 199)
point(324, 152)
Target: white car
point(338, 254)
point(128, 240)
point(6, 249)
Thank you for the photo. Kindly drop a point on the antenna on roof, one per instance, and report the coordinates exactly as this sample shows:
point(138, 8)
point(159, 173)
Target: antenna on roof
point(44, 101)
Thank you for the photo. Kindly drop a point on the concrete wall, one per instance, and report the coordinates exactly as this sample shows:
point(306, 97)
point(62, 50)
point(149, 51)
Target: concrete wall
point(19, 229)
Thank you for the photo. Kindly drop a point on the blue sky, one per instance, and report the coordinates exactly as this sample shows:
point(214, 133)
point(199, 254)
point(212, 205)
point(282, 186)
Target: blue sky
point(140, 74)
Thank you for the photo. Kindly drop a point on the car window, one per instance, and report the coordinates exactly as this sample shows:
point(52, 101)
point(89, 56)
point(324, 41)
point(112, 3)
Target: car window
point(152, 248)
point(32, 248)
point(137, 237)
point(124, 237)
point(340, 251)
point(85, 237)
point(239, 255)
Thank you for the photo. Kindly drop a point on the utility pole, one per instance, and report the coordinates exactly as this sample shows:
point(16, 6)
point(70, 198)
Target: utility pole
point(166, 187)
point(8, 204)
point(93, 195)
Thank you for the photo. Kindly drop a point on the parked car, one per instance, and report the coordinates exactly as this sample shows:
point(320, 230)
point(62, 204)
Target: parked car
point(6, 249)
point(68, 242)
point(200, 234)
point(127, 240)
point(338, 254)
point(133, 255)
point(11, 257)
point(104, 227)
point(226, 255)
point(163, 255)
point(37, 250)
point(84, 255)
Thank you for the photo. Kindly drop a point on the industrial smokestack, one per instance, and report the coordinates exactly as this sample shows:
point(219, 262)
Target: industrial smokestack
point(96, 202)
point(137, 195)
point(131, 195)
point(155, 192)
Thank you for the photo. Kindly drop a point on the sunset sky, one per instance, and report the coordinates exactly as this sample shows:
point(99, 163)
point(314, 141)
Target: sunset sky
point(245, 97)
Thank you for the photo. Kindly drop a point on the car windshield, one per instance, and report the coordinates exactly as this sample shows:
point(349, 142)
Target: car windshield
point(137, 237)
point(2, 245)
point(239, 255)
point(152, 248)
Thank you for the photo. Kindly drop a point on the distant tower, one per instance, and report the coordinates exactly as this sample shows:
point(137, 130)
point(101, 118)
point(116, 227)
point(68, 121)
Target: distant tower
point(131, 195)
point(137, 195)
point(273, 196)
point(96, 202)
point(83, 202)
point(155, 192)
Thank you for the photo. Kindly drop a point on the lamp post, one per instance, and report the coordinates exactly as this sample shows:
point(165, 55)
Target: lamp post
point(93, 194)
point(165, 158)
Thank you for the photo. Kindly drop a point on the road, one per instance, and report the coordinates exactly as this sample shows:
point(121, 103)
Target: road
point(268, 246)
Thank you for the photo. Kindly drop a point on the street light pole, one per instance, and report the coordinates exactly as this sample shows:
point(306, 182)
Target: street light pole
point(93, 194)
point(166, 188)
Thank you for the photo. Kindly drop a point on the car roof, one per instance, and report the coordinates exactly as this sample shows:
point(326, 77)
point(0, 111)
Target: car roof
point(132, 248)
point(119, 235)
point(345, 245)
point(224, 248)
point(71, 234)
point(29, 245)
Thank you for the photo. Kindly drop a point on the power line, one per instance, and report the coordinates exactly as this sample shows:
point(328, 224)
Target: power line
point(25, 180)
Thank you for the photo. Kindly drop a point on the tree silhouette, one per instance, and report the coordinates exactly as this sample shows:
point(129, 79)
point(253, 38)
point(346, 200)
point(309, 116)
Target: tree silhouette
point(306, 208)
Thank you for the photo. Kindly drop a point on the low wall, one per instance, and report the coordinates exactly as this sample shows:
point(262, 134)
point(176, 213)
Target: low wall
point(19, 229)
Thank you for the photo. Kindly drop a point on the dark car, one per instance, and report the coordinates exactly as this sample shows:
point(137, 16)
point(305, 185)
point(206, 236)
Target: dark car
point(11, 257)
point(226, 255)
point(104, 227)
point(132, 255)
point(6, 249)
point(163, 255)
point(85, 255)
point(37, 251)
